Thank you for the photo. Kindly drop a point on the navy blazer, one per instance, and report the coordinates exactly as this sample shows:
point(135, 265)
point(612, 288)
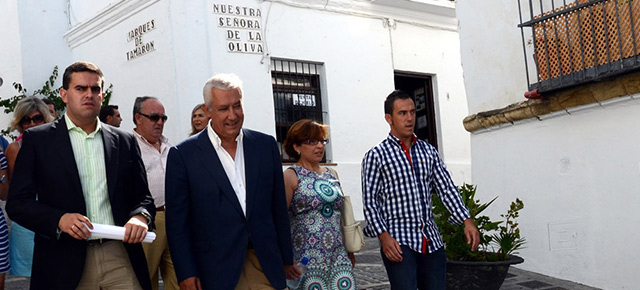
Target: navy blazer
point(46, 167)
point(207, 231)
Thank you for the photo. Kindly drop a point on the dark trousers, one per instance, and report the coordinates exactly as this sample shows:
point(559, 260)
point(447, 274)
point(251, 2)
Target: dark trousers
point(417, 270)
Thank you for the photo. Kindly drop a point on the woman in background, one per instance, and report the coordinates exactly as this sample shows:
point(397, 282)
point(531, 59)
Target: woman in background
point(199, 119)
point(29, 112)
point(315, 198)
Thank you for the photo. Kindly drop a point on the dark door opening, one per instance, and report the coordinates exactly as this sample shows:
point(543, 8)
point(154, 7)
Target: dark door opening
point(421, 88)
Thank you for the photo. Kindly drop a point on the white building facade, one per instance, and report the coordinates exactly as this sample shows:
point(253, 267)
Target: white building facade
point(353, 54)
point(576, 169)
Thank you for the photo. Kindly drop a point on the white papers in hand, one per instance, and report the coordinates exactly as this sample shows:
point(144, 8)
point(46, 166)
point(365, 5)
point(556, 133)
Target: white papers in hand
point(101, 231)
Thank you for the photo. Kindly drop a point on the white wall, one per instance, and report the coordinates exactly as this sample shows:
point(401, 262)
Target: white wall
point(577, 173)
point(491, 51)
point(30, 49)
point(359, 53)
point(193, 60)
point(10, 54)
point(149, 75)
point(578, 178)
point(80, 11)
point(42, 45)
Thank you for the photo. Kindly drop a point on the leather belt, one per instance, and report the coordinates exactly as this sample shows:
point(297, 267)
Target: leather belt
point(162, 208)
point(96, 242)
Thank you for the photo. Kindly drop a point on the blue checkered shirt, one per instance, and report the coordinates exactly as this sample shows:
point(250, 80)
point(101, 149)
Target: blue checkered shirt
point(397, 193)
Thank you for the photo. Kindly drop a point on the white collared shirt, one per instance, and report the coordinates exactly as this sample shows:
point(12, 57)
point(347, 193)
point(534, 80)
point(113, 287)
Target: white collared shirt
point(155, 163)
point(233, 167)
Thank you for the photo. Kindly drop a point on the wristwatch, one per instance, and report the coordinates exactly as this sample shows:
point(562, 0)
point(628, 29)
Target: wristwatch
point(148, 217)
point(3, 178)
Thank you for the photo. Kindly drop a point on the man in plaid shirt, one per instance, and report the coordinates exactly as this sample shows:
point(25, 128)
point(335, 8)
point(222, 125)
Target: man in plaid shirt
point(398, 176)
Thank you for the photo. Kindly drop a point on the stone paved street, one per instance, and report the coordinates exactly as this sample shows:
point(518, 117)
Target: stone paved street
point(370, 275)
point(369, 271)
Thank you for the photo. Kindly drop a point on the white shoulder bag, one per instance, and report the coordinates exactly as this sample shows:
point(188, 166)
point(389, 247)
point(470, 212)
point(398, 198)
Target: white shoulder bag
point(352, 235)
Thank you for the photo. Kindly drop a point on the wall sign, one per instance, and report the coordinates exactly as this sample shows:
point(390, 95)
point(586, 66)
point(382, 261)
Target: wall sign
point(242, 26)
point(303, 100)
point(141, 48)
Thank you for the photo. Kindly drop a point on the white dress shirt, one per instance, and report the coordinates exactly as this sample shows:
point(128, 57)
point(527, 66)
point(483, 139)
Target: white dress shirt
point(155, 162)
point(234, 167)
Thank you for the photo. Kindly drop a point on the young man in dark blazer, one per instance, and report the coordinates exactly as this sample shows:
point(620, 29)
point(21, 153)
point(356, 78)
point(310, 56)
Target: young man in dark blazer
point(75, 172)
point(226, 217)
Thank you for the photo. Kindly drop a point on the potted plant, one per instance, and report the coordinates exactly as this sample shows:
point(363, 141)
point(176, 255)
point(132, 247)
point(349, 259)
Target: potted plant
point(486, 267)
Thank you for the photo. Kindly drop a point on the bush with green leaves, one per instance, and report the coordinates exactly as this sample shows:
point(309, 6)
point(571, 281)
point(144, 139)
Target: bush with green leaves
point(498, 239)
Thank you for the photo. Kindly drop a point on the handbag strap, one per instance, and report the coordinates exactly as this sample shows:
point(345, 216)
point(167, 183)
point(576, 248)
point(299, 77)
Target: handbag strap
point(335, 174)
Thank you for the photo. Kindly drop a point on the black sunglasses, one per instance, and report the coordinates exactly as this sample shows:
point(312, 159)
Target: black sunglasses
point(314, 142)
point(37, 119)
point(155, 117)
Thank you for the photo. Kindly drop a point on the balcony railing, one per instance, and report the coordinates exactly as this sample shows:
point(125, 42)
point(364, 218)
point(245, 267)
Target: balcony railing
point(574, 42)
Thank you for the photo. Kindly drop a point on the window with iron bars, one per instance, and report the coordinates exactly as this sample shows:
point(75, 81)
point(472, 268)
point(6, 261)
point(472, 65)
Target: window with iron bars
point(296, 95)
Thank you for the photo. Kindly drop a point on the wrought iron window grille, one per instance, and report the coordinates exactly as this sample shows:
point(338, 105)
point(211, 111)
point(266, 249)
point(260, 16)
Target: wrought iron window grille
point(296, 95)
point(575, 42)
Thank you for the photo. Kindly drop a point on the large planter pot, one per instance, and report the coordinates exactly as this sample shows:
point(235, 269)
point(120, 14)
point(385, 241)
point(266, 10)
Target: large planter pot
point(469, 275)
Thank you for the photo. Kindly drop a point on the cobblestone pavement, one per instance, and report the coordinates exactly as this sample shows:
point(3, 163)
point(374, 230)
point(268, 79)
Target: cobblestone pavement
point(369, 271)
point(16, 283)
point(371, 275)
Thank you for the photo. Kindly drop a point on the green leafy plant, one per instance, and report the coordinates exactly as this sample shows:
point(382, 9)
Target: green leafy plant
point(498, 239)
point(508, 238)
point(48, 91)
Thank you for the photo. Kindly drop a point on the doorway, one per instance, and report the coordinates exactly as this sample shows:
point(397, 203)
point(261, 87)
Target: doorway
point(420, 87)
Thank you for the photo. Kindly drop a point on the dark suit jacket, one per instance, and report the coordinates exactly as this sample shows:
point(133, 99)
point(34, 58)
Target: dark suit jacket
point(45, 166)
point(206, 228)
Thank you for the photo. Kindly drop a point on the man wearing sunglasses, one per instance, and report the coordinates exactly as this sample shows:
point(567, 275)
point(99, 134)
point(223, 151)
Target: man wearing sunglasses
point(75, 172)
point(149, 117)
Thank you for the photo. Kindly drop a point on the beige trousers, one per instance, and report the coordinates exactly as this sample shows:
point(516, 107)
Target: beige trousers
point(159, 257)
point(107, 266)
point(252, 277)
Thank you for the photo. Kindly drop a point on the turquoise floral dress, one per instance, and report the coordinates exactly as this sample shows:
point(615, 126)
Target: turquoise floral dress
point(314, 214)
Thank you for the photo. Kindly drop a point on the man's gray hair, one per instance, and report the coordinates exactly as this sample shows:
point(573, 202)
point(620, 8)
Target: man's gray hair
point(137, 105)
point(222, 82)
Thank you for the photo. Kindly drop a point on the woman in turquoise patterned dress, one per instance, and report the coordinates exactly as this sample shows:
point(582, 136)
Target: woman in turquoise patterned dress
point(315, 198)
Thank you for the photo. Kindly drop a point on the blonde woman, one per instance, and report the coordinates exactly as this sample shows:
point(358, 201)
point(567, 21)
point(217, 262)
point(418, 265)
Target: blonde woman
point(29, 112)
point(199, 119)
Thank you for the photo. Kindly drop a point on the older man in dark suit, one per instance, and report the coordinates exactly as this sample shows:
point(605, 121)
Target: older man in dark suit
point(75, 172)
point(227, 222)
